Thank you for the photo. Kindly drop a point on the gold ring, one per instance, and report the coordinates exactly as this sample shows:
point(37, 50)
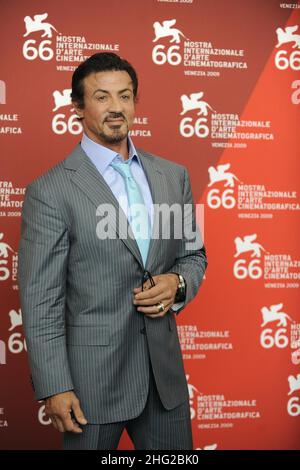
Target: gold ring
point(161, 307)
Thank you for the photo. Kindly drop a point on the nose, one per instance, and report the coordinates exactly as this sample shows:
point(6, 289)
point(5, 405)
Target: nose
point(115, 105)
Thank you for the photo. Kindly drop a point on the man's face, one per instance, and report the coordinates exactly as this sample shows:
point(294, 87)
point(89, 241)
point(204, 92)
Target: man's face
point(108, 111)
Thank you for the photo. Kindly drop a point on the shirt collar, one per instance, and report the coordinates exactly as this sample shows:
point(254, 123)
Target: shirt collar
point(102, 156)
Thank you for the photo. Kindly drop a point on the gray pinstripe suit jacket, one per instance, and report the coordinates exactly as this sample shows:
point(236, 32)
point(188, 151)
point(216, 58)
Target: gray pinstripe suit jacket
point(82, 330)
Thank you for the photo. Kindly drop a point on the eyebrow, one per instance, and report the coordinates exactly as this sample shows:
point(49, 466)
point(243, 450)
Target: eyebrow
point(105, 91)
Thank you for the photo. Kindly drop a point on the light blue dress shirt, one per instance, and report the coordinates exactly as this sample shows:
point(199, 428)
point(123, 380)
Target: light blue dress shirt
point(102, 157)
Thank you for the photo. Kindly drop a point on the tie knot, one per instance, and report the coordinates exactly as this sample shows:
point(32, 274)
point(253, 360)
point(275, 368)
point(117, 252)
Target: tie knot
point(123, 168)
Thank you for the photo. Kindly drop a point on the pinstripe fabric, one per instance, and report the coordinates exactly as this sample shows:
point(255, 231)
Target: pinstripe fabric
point(81, 327)
point(95, 437)
point(154, 429)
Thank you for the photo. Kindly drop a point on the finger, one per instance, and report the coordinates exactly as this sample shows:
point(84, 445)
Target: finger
point(59, 425)
point(67, 423)
point(76, 428)
point(150, 293)
point(154, 300)
point(70, 425)
point(146, 286)
point(78, 413)
point(137, 289)
point(163, 313)
point(75, 423)
point(154, 309)
point(160, 314)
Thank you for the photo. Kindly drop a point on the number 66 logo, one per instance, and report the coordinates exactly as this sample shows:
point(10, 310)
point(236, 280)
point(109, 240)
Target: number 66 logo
point(172, 56)
point(241, 270)
point(61, 126)
point(216, 200)
point(268, 340)
point(43, 51)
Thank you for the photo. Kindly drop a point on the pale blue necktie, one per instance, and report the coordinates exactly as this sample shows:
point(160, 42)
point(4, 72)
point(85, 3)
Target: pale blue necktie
point(141, 226)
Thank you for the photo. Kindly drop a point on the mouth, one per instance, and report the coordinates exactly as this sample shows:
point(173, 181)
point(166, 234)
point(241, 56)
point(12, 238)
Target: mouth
point(115, 120)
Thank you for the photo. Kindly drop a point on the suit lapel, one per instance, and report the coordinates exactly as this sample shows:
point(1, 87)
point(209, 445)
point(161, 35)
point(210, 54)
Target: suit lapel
point(93, 185)
point(91, 182)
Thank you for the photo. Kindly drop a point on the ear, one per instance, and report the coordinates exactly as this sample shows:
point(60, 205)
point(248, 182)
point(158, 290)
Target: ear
point(78, 109)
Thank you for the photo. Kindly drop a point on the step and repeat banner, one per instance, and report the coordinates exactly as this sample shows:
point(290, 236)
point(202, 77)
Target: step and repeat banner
point(220, 94)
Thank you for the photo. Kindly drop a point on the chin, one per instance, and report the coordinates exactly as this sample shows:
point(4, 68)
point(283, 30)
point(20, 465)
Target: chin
point(113, 139)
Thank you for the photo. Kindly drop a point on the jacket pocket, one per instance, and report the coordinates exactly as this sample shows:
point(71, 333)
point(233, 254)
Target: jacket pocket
point(88, 335)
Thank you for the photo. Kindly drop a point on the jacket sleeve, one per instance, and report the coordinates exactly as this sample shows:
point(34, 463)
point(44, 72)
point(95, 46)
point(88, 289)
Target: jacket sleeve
point(191, 260)
point(43, 256)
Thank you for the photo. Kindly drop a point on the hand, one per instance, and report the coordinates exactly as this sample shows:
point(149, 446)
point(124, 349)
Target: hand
point(164, 291)
point(58, 408)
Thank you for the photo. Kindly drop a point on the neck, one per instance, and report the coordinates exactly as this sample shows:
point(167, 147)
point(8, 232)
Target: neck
point(118, 147)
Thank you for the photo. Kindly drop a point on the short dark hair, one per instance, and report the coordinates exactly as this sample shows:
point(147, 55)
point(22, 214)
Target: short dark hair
point(100, 62)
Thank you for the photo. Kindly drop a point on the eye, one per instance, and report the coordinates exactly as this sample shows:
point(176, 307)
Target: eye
point(101, 98)
point(125, 97)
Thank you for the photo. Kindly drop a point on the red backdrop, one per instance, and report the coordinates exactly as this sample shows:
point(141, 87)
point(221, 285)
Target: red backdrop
point(219, 93)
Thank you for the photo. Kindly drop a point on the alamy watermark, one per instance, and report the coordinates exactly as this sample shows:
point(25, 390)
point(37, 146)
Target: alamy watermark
point(175, 221)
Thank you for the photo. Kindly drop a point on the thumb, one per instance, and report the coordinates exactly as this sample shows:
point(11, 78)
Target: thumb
point(78, 413)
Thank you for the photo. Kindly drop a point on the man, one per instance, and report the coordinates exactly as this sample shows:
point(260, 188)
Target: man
point(98, 306)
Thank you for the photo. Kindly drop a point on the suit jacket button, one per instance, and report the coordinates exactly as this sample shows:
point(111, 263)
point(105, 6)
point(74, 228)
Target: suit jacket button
point(143, 330)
